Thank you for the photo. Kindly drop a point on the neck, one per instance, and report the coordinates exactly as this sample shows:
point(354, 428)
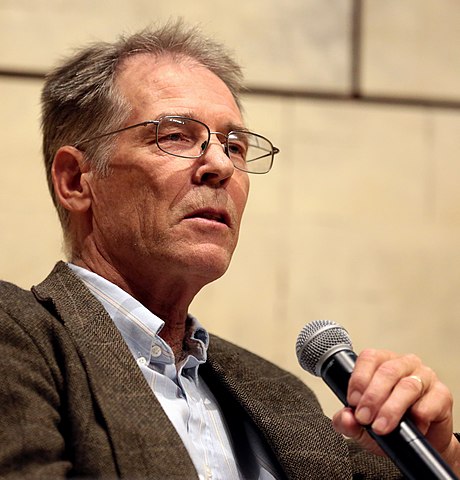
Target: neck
point(167, 297)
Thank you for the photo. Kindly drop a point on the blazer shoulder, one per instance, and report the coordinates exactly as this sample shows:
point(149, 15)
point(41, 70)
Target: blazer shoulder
point(25, 309)
point(14, 298)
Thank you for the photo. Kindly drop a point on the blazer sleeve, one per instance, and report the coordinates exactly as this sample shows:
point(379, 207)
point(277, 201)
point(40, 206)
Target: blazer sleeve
point(32, 445)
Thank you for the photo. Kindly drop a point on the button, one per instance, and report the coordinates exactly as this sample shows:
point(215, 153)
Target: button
point(141, 361)
point(208, 472)
point(156, 351)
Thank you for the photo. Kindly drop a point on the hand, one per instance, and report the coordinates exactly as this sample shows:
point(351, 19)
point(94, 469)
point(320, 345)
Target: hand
point(383, 387)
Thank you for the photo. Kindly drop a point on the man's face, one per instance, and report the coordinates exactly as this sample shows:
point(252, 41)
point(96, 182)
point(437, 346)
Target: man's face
point(157, 214)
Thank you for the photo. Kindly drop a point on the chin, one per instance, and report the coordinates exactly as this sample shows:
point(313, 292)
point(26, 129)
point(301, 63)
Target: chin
point(209, 263)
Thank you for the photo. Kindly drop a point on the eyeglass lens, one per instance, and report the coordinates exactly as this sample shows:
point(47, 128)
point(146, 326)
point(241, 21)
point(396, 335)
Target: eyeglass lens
point(187, 138)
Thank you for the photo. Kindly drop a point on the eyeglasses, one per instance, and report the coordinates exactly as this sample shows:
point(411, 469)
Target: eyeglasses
point(188, 138)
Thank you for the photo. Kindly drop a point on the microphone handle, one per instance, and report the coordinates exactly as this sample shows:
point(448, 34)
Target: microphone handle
point(406, 446)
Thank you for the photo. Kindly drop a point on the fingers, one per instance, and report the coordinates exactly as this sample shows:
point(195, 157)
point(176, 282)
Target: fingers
point(433, 411)
point(345, 423)
point(384, 386)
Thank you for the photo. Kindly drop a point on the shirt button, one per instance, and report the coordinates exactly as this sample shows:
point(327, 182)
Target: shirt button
point(141, 361)
point(208, 472)
point(156, 351)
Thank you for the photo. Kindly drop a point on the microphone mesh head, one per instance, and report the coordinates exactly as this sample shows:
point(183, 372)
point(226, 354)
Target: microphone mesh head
point(316, 340)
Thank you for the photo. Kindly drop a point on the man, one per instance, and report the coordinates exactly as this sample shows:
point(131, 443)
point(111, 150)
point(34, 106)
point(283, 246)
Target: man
point(104, 372)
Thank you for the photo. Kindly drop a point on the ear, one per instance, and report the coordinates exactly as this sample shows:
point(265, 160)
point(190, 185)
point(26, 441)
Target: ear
point(70, 179)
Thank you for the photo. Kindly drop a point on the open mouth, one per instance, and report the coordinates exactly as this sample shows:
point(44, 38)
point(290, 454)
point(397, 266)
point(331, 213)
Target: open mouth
point(212, 215)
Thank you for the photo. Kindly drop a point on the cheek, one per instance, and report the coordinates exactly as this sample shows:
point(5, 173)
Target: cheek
point(242, 193)
point(116, 201)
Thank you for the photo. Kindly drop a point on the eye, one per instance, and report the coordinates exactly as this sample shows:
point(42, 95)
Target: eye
point(173, 137)
point(236, 149)
point(181, 136)
point(237, 145)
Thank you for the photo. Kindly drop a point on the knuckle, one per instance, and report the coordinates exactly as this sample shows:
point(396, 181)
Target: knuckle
point(389, 370)
point(411, 385)
point(413, 358)
point(368, 354)
point(430, 374)
point(445, 394)
point(414, 361)
point(391, 410)
point(370, 397)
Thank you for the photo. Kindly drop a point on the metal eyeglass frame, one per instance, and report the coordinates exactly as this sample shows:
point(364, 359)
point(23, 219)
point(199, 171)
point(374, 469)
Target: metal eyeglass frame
point(274, 150)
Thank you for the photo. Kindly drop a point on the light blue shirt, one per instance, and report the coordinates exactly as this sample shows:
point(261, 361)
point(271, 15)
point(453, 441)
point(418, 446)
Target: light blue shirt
point(183, 394)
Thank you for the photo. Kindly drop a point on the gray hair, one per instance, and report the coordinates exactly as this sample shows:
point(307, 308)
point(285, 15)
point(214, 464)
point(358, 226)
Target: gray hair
point(80, 95)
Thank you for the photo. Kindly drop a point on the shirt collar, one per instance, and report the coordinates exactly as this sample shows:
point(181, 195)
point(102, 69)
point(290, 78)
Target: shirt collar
point(140, 327)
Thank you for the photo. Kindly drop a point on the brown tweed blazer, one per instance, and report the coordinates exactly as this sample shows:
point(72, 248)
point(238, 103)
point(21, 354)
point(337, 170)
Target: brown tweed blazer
point(73, 402)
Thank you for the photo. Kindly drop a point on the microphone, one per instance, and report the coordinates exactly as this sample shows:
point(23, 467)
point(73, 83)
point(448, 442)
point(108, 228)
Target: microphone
point(324, 349)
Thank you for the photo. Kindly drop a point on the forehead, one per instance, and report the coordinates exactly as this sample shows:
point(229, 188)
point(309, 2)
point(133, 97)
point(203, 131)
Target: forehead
point(155, 86)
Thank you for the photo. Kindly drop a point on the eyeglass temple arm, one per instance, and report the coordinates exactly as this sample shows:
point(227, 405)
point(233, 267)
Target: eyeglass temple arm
point(90, 139)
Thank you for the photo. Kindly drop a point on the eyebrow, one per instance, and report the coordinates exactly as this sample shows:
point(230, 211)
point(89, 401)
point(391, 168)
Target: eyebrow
point(235, 126)
point(175, 113)
point(228, 126)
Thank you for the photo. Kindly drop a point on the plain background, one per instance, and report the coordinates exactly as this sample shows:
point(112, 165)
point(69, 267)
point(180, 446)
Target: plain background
point(359, 220)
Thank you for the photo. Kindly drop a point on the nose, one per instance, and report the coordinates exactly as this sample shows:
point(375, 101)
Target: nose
point(215, 167)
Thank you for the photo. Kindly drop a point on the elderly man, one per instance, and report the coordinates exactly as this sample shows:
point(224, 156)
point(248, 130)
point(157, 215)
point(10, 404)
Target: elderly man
point(104, 372)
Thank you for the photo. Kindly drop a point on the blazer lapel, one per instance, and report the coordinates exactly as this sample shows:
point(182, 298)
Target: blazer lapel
point(145, 443)
point(284, 410)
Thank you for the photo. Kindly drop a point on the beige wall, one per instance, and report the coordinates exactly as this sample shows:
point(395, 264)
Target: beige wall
point(358, 222)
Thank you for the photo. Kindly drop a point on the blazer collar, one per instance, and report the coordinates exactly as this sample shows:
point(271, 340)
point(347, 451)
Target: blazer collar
point(144, 440)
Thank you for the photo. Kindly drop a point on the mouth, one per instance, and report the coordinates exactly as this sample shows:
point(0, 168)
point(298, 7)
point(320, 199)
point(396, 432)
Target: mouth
point(212, 215)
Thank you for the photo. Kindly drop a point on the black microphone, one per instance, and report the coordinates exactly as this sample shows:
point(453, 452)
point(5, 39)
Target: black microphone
point(324, 349)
